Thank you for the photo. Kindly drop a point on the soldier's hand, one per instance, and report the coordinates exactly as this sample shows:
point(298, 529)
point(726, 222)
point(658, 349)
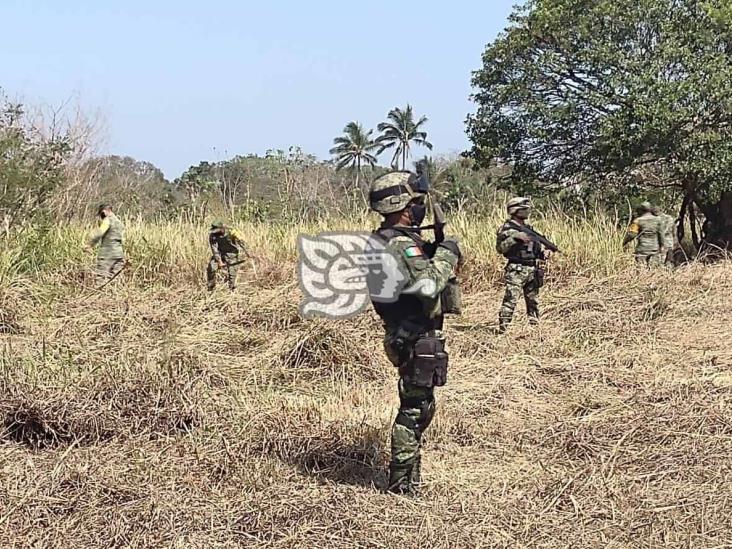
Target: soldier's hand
point(222, 264)
point(452, 245)
point(548, 254)
point(523, 237)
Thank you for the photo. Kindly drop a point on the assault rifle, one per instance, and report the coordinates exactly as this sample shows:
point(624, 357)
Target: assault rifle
point(438, 216)
point(536, 237)
point(248, 257)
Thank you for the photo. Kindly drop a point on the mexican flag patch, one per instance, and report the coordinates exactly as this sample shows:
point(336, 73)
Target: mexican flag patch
point(413, 251)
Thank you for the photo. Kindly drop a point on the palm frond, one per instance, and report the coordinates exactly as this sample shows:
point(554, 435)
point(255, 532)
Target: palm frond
point(345, 162)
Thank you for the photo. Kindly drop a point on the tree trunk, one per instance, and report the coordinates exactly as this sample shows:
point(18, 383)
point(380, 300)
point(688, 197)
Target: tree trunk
point(717, 228)
point(358, 172)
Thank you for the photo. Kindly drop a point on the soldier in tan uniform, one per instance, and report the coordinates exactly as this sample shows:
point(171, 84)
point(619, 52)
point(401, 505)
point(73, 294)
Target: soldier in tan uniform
point(109, 238)
point(668, 226)
point(647, 231)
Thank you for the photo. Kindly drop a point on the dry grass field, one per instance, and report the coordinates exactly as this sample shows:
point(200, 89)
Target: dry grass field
point(154, 414)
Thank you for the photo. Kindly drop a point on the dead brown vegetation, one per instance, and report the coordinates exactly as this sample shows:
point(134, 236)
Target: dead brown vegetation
point(168, 417)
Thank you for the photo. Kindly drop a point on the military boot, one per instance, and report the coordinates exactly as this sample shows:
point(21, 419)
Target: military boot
point(400, 479)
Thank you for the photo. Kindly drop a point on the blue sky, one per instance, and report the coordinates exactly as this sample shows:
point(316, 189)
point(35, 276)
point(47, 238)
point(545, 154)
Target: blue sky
point(180, 82)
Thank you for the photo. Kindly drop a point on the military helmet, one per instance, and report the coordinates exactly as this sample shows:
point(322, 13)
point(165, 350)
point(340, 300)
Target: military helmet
point(218, 224)
point(518, 203)
point(394, 191)
point(645, 206)
point(103, 206)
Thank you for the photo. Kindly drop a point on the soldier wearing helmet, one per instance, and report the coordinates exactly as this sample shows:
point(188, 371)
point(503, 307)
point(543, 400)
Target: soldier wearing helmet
point(225, 244)
point(413, 322)
point(647, 230)
point(109, 238)
point(522, 273)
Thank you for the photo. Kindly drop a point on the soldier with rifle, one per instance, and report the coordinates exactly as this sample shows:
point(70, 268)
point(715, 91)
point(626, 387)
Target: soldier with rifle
point(524, 248)
point(414, 341)
point(225, 244)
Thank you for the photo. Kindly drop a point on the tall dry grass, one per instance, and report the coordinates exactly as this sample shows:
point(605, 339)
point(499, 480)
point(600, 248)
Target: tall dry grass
point(172, 252)
point(154, 414)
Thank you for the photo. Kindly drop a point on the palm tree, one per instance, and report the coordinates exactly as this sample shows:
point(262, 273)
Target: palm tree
point(353, 150)
point(398, 132)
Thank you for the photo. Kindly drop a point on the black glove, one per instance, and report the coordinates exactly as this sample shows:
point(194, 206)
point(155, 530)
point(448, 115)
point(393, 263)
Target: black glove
point(452, 245)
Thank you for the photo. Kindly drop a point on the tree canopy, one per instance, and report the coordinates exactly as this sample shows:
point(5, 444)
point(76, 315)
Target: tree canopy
point(621, 94)
point(398, 132)
point(353, 149)
point(31, 165)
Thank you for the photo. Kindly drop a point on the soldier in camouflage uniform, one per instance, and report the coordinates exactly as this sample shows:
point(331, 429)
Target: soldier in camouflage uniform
point(668, 228)
point(109, 237)
point(225, 244)
point(522, 273)
point(413, 342)
point(648, 232)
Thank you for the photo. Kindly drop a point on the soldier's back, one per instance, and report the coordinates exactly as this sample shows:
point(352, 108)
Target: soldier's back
point(111, 244)
point(650, 234)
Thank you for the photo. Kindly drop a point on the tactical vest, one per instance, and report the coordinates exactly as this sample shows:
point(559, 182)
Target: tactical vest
point(223, 243)
point(523, 253)
point(408, 310)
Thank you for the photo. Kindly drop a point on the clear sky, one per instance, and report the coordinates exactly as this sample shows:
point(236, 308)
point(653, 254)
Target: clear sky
point(189, 80)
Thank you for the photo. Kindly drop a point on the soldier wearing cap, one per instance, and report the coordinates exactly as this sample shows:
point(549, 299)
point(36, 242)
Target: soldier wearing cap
point(109, 237)
point(225, 244)
point(414, 342)
point(522, 273)
point(647, 230)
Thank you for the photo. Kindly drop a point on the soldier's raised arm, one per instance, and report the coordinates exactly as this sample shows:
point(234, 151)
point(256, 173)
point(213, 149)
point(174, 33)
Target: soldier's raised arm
point(96, 236)
point(427, 276)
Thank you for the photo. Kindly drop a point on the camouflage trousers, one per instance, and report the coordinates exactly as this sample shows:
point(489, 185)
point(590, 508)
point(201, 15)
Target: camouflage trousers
point(520, 280)
point(107, 268)
point(416, 411)
point(230, 269)
point(650, 260)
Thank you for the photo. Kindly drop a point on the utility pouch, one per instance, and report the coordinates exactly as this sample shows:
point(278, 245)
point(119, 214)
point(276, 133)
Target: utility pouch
point(429, 363)
point(451, 299)
point(539, 275)
point(399, 347)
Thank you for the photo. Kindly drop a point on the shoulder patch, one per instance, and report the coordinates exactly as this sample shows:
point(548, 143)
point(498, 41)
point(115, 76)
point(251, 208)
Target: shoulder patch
point(414, 251)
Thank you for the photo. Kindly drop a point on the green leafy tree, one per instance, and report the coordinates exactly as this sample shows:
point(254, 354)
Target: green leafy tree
point(135, 186)
point(623, 96)
point(353, 149)
point(399, 132)
point(31, 166)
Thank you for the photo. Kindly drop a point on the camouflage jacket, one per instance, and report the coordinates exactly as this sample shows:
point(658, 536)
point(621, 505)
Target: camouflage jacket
point(225, 244)
point(427, 270)
point(515, 250)
point(109, 236)
point(668, 226)
point(647, 231)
